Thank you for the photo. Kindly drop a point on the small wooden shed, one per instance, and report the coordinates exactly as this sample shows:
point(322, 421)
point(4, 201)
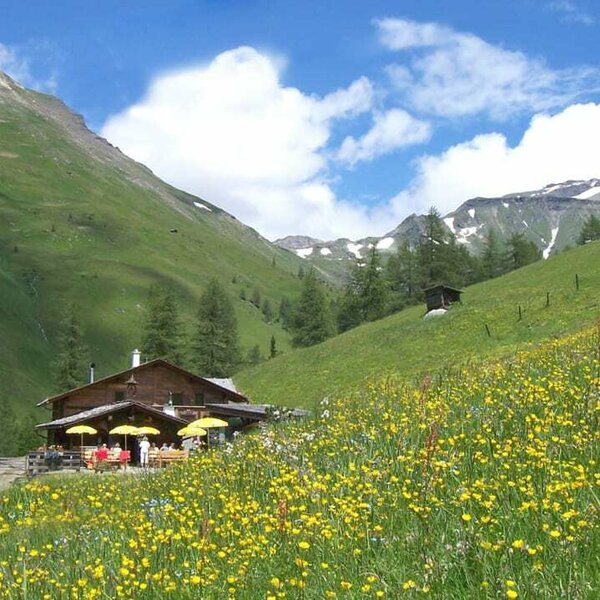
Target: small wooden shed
point(441, 296)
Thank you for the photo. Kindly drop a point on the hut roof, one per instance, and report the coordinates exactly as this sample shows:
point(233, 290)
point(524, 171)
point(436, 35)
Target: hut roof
point(224, 385)
point(106, 409)
point(250, 411)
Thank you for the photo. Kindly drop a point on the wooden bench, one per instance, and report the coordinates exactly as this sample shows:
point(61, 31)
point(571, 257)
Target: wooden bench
point(111, 463)
point(167, 457)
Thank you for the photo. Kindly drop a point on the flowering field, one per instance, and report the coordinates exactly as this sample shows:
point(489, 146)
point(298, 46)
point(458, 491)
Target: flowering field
point(481, 484)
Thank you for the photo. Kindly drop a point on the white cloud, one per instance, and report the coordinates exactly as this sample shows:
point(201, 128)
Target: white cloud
point(455, 74)
point(392, 129)
point(400, 34)
point(571, 12)
point(553, 149)
point(232, 133)
point(17, 66)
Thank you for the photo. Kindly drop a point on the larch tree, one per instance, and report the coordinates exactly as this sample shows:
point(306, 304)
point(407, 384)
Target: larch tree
point(312, 322)
point(216, 350)
point(590, 232)
point(70, 365)
point(162, 337)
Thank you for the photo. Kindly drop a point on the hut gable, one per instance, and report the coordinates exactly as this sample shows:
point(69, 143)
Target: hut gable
point(441, 296)
point(155, 383)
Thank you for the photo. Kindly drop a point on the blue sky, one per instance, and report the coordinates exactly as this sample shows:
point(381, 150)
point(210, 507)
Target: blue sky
point(326, 118)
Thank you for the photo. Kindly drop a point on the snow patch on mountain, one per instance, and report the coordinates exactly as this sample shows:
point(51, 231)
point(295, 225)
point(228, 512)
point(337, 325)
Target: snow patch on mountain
point(304, 252)
point(505, 204)
point(354, 249)
point(464, 232)
point(385, 243)
point(549, 247)
point(325, 251)
point(590, 193)
point(450, 224)
point(200, 205)
point(472, 213)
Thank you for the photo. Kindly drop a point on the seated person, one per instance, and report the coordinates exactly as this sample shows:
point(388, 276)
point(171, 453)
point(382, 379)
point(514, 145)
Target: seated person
point(124, 456)
point(164, 447)
point(102, 453)
point(116, 450)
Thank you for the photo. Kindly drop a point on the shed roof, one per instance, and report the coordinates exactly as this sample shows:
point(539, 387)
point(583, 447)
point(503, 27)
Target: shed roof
point(442, 287)
point(224, 385)
point(106, 409)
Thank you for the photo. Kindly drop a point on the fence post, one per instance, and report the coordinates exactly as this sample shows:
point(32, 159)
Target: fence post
point(576, 281)
point(547, 299)
point(520, 313)
point(488, 330)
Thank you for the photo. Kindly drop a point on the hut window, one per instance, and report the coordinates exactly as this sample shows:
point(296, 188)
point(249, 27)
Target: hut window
point(177, 398)
point(199, 398)
point(119, 396)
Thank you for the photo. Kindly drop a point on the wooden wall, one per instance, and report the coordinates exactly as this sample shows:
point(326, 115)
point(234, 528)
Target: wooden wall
point(154, 382)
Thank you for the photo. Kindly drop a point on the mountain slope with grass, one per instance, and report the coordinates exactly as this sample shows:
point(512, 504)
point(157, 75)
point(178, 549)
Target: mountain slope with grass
point(405, 345)
point(80, 222)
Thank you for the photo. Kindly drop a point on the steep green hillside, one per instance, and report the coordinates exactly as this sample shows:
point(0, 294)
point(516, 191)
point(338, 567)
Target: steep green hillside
point(81, 222)
point(406, 345)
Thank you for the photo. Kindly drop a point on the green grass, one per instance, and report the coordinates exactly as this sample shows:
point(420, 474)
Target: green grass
point(406, 345)
point(80, 222)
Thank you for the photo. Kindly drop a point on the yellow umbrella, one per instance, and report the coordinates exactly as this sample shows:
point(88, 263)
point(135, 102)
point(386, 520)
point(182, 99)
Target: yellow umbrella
point(147, 430)
point(188, 431)
point(208, 422)
point(124, 430)
point(81, 429)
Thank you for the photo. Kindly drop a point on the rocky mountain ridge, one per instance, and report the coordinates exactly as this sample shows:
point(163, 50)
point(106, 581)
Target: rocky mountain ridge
point(551, 217)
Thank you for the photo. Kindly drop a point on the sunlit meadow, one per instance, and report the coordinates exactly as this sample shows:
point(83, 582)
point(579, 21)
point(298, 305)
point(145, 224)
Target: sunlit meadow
point(479, 483)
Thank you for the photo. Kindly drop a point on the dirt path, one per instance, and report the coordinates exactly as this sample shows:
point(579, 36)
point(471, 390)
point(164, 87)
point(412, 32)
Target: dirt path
point(10, 469)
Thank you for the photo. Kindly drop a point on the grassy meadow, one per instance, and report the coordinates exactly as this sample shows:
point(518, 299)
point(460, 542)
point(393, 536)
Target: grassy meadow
point(405, 345)
point(480, 483)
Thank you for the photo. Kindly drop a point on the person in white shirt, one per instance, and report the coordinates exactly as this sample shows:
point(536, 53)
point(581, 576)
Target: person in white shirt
point(144, 449)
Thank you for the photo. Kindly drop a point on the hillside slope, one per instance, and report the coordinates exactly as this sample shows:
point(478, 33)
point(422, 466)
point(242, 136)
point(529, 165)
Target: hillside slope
point(406, 345)
point(81, 222)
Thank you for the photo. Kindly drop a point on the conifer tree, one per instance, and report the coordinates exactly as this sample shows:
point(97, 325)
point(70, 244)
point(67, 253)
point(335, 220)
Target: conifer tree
point(215, 347)
point(273, 347)
point(8, 439)
point(349, 310)
point(492, 258)
point(267, 310)
point(365, 296)
point(312, 321)
point(254, 355)
point(590, 231)
point(256, 298)
point(373, 291)
point(521, 251)
point(285, 313)
point(162, 336)
point(70, 365)
point(402, 271)
point(432, 253)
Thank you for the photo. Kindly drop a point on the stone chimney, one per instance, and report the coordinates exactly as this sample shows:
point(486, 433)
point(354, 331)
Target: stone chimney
point(135, 358)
